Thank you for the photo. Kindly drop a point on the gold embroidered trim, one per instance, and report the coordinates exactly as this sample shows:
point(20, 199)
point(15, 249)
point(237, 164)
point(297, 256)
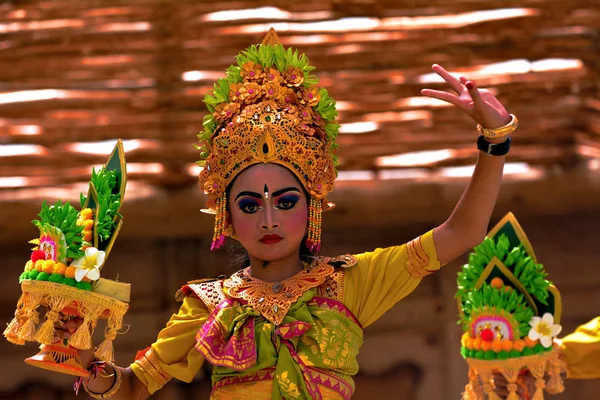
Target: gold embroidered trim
point(417, 260)
point(348, 260)
point(211, 293)
point(273, 299)
point(333, 287)
point(150, 363)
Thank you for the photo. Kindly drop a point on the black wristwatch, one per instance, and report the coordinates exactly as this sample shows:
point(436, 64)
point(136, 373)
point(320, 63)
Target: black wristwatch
point(493, 149)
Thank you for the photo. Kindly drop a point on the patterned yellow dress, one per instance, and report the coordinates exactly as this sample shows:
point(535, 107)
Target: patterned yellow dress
point(297, 339)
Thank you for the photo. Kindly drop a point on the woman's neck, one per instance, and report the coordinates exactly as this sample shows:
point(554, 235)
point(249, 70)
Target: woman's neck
point(275, 271)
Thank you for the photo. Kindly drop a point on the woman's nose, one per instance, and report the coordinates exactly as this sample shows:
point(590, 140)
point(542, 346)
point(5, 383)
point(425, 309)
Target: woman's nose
point(269, 219)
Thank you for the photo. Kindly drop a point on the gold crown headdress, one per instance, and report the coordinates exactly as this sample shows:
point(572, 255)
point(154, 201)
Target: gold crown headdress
point(510, 314)
point(269, 109)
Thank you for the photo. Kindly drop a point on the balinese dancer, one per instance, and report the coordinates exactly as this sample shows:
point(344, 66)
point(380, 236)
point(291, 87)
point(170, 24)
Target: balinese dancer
point(290, 324)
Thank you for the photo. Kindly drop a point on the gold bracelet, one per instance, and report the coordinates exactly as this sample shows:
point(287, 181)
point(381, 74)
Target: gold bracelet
point(501, 131)
point(115, 387)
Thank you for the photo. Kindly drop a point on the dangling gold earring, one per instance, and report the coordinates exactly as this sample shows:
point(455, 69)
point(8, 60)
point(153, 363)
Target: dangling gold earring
point(220, 223)
point(313, 241)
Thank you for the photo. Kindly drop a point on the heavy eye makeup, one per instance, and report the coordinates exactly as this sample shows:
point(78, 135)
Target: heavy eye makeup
point(249, 205)
point(287, 202)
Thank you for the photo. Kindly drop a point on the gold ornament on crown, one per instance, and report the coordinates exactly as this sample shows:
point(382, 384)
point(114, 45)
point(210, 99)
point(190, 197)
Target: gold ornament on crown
point(271, 113)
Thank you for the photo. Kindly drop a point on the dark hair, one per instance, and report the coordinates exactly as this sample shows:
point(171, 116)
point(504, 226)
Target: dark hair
point(239, 255)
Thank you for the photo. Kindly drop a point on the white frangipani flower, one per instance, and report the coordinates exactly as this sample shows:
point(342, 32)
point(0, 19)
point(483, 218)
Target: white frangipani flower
point(544, 329)
point(89, 265)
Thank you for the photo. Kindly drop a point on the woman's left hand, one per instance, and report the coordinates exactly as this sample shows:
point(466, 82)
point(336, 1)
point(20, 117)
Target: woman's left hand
point(479, 104)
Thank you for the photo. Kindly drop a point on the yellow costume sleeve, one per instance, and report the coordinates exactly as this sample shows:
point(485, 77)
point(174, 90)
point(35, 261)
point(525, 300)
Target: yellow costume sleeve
point(383, 277)
point(173, 355)
point(581, 350)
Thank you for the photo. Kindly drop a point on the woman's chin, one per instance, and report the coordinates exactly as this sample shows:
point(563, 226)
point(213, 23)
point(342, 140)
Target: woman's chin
point(272, 252)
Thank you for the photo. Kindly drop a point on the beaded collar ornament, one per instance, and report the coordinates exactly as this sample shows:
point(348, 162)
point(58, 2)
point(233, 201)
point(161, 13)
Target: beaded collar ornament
point(510, 314)
point(269, 109)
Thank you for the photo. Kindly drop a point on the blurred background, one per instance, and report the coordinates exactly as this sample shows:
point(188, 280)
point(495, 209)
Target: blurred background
point(77, 75)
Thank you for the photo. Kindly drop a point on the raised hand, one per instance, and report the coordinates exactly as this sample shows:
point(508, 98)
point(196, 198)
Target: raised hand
point(479, 104)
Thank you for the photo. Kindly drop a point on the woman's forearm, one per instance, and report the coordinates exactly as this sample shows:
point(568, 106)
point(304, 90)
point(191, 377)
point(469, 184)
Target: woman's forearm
point(131, 387)
point(468, 223)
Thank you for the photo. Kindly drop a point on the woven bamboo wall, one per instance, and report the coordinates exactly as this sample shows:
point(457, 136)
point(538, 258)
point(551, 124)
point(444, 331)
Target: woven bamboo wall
point(77, 75)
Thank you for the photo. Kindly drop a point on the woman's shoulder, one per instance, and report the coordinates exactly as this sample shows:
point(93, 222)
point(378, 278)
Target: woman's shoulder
point(209, 291)
point(342, 262)
point(333, 285)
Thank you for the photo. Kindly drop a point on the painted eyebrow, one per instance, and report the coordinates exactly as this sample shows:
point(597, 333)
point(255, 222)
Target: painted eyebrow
point(282, 191)
point(259, 196)
point(251, 194)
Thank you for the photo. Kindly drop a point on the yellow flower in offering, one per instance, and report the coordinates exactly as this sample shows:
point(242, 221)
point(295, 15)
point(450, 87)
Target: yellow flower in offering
point(89, 224)
point(29, 266)
point(89, 265)
point(48, 266)
point(86, 213)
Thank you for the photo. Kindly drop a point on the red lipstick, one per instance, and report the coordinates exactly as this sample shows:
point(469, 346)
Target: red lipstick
point(270, 239)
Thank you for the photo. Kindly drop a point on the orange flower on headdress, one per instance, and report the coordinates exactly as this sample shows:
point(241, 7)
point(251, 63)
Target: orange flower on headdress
point(251, 92)
point(305, 115)
point(310, 97)
point(226, 111)
point(214, 185)
point(318, 187)
point(251, 71)
point(272, 75)
point(294, 77)
point(235, 91)
point(286, 97)
point(273, 91)
point(306, 129)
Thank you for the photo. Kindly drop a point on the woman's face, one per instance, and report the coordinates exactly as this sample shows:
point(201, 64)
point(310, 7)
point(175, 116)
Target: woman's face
point(269, 212)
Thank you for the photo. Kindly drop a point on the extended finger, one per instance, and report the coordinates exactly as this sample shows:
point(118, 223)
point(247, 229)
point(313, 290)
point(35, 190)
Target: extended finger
point(474, 93)
point(451, 80)
point(445, 96)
